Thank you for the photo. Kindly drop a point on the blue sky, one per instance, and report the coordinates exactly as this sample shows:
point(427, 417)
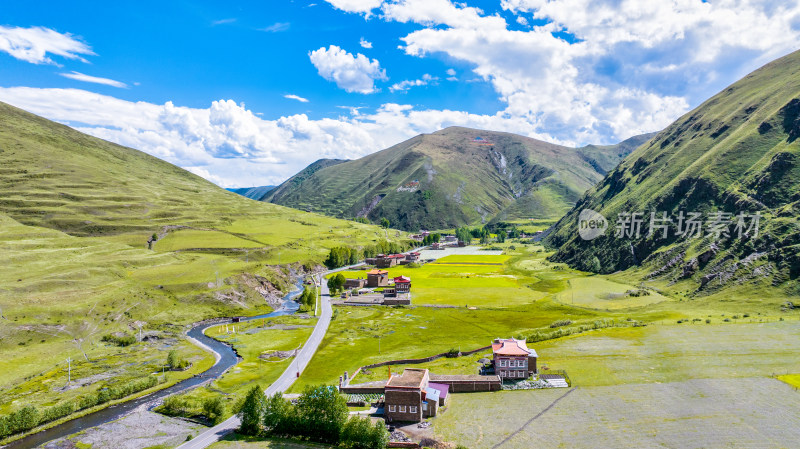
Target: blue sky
point(248, 93)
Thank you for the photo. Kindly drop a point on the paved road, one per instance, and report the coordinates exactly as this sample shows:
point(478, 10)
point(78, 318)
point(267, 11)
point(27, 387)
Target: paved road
point(288, 377)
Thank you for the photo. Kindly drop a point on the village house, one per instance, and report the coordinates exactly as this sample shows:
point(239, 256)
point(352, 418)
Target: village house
point(388, 260)
point(412, 257)
point(377, 278)
point(355, 283)
point(402, 284)
point(411, 397)
point(513, 359)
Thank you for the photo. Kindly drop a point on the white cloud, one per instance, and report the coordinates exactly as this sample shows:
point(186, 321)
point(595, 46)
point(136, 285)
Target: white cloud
point(356, 6)
point(634, 65)
point(522, 21)
point(365, 43)
point(222, 22)
point(351, 73)
point(407, 84)
point(296, 97)
point(229, 145)
point(94, 79)
point(277, 27)
point(33, 44)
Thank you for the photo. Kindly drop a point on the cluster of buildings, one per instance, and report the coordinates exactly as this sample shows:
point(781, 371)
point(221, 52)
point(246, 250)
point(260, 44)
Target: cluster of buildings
point(393, 291)
point(417, 394)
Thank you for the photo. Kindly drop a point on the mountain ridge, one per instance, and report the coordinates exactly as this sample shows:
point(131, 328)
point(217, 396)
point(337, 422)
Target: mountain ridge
point(453, 177)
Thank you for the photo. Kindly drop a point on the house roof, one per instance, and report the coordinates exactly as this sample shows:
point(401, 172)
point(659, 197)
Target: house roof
point(402, 280)
point(377, 271)
point(432, 394)
point(411, 378)
point(511, 346)
point(442, 388)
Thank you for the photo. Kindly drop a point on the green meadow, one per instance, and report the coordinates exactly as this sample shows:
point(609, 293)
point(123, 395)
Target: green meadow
point(257, 342)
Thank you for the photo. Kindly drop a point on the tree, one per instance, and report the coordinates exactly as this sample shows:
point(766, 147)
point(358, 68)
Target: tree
point(379, 437)
point(277, 417)
point(323, 413)
point(214, 408)
point(336, 283)
point(385, 223)
point(252, 412)
point(501, 236)
point(357, 433)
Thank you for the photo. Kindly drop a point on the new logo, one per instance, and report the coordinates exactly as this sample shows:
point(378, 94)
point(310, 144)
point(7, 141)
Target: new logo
point(591, 224)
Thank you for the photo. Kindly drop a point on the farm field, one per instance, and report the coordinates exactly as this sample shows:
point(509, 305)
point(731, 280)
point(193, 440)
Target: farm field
point(598, 293)
point(643, 387)
point(696, 413)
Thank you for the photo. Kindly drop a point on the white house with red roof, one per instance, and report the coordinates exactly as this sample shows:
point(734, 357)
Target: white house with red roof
point(513, 359)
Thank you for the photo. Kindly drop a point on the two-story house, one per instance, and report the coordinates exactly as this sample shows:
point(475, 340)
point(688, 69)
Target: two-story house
point(513, 359)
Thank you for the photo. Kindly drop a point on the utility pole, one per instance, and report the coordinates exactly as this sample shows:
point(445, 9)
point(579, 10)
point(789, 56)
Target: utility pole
point(69, 370)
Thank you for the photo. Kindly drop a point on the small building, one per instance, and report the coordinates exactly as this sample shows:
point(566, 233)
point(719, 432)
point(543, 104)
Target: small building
point(388, 260)
point(450, 239)
point(389, 292)
point(377, 278)
point(402, 284)
point(411, 397)
point(512, 359)
point(437, 245)
point(355, 283)
point(412, 257)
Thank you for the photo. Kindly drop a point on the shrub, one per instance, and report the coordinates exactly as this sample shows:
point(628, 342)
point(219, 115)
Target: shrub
point(560, 323)
point(214, 408)
point(123, 340)
point(175, 363)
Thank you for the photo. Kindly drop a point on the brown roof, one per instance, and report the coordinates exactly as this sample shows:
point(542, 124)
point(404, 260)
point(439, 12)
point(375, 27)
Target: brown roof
point(510, 346)
point(402, 280)
point(377, 271)
point(411, 377)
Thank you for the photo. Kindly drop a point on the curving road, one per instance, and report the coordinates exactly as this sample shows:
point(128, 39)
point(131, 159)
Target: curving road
point(288, 377)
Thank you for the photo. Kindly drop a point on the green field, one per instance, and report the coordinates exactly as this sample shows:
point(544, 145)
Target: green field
point(76, 214)
point(251, 339)
point(599, 293)
point(241, 442)
point(693, 384)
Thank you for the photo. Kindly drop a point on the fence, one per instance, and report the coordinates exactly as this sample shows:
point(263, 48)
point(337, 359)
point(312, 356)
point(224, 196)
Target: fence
point(415, 361)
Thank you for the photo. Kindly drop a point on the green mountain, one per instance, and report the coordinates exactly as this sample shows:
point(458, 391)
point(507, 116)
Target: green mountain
point(99, 239)
point(736, 153)
point(254, 193)
point(453, 177)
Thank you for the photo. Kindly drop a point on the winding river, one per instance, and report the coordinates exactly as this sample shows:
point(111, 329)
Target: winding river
point(227, 359)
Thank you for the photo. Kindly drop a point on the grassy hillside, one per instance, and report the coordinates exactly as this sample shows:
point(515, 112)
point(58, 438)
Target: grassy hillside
point(254, 193)
point(453, 177)
point(736, 153)
point(77, 221)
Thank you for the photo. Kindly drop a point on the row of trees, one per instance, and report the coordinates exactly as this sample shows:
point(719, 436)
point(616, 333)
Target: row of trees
point(30, 416)
point(321, 415)
point(466, 234)
point(340, 256)
point(431, 238)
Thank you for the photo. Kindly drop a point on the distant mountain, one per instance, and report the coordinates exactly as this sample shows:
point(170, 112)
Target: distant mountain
point(453, 177)
point(254, 193)
point(736, 153)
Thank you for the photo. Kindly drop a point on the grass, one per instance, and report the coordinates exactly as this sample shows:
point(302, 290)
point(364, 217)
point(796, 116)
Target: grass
point(695, 413)
point(688, 383)
point(236, 441)
point(251, 339)
point(599, 293)
point(76, 213)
